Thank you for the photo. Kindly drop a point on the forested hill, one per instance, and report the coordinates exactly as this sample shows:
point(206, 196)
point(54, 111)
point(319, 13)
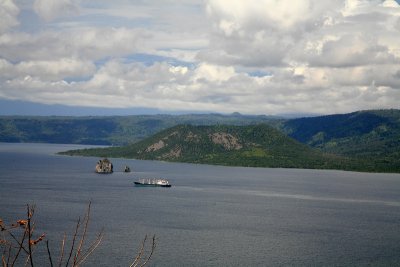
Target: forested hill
point(256, 145)
point(370, 136)
point(373, 134)
point(113, 130)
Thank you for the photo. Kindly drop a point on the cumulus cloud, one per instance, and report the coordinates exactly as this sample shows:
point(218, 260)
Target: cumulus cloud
point(47, 70)
point(8, 15)
point(255, 56)
point(348, 51)
point(262, 32)
point(118, 84)
point(88, 43)
point(52, 9)
point(280, 33)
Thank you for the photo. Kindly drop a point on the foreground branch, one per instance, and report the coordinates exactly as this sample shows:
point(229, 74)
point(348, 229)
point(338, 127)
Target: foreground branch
point(18, 241)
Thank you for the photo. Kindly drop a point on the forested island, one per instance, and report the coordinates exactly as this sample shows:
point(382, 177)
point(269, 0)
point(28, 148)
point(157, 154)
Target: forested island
point(362, 141)
point(253, 146)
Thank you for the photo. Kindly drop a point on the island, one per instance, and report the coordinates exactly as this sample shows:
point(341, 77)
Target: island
point(104, 166)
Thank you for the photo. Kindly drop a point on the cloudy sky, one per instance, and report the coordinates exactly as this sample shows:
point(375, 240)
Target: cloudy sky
point(253, 56)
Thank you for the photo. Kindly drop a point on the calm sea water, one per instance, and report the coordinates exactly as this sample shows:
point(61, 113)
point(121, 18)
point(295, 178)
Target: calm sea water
point(212, 216)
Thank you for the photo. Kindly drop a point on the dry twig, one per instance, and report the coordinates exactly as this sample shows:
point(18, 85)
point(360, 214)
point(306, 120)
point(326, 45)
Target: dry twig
point(62, 250)
point(138, 258)
point(24, 243)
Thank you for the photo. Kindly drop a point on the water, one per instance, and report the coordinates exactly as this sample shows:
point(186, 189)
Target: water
point(212, 216)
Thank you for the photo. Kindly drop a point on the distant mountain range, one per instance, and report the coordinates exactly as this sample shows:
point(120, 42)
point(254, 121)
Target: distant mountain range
point(364, 140)
point(108, 130)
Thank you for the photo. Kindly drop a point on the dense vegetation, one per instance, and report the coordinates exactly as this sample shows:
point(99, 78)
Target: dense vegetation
point(113, 130)
point(255, 145)
point(371, 139)
point(370, 135)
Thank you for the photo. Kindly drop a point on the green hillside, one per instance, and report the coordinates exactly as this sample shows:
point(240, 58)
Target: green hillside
point(370, 135)
point(255, 145)
point(113, 130)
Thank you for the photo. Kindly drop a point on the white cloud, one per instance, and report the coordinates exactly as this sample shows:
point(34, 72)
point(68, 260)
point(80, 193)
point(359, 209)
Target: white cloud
point(52, 9)
point(8, 15)
point(349, 50)
point(167, 87)
point(262, 32)
point(255, 56)
point(47, 70)
point(271, 33)
point(214, 73)
point(87, 43)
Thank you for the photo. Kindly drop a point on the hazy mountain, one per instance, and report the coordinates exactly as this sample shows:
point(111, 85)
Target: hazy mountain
point(113, 130)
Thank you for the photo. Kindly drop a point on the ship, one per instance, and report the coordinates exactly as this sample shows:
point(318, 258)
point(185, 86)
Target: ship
point(153, 182)
point(104, 166)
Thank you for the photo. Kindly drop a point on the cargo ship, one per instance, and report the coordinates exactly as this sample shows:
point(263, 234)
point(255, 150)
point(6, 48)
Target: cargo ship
point(153, 182)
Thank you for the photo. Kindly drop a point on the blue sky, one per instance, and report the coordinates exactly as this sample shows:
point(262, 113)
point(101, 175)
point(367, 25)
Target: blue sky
point(255, 57)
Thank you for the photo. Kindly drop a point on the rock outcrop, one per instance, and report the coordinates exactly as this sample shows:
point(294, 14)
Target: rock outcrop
point(104, 166)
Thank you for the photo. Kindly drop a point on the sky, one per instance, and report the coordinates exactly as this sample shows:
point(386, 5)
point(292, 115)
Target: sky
point(144, 56)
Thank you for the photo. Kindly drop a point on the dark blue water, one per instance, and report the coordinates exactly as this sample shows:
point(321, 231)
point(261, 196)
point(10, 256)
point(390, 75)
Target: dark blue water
point(212, 216)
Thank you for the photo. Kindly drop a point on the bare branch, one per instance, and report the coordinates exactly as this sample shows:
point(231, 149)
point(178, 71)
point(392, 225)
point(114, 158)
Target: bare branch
point(62, 250)
point(139, 254)
point(92, 247)
point(21, 246)
point(73, 240)
point(3, 261)
point(153, 247)
point(86, 222)
point(48, 252)
point(25, 242)
point(9, 255)
point(30, 214)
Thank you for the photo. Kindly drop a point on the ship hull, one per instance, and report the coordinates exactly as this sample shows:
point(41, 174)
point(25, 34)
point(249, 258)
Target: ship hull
point(151, 185)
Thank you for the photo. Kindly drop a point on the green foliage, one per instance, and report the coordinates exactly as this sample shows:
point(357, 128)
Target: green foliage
point(364, 140)
point(56, 130)
point(371, 136)
point(254, 145)
point(113, 130)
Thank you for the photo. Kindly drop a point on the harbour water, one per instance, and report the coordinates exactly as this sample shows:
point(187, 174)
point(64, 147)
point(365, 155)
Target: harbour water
point(212, 215)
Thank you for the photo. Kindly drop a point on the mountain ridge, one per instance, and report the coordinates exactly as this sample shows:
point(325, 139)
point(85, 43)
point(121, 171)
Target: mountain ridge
point(371, 135)
point(108, 130)
point(250, 146)
point(362, 133)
